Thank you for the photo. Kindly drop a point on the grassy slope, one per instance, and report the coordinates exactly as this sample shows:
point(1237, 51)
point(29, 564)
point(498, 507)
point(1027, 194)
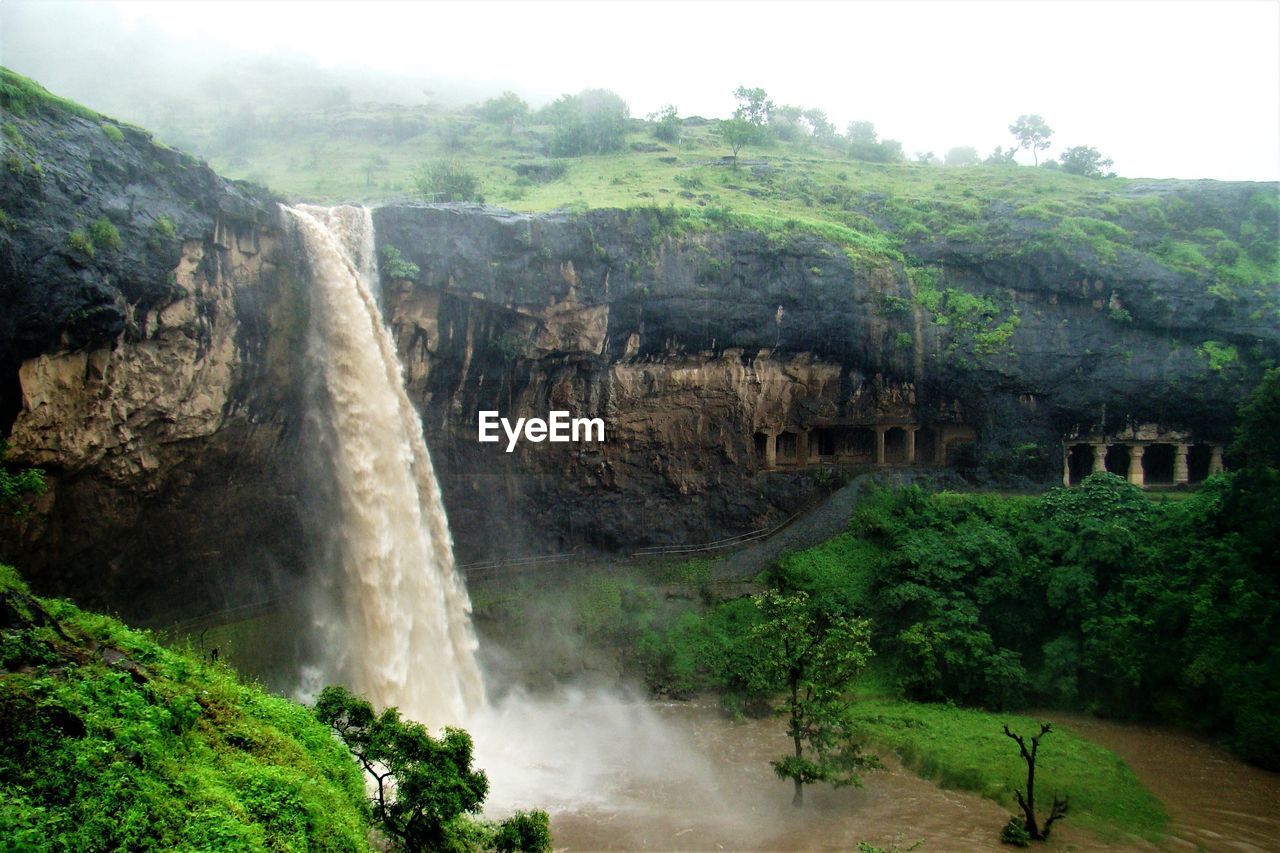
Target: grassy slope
point(965, 748)
point(109, 740)
point(874, 209)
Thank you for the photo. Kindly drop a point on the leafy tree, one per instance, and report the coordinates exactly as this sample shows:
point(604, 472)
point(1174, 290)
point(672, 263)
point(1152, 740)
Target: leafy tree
point(1084, 160)
point(815, 658)
point(420, 784)
point(737, 133)
point(820, 127)
point(373, 164)
point(18, 484)
point(447, 180)
point(864, 145)
point(754, 106)
point(861, 132)
point(594, 121)
point(1032, 133)
point(667, 124)
point(1255, 444)
point(963, 155)
point(1002, 157)
point(507, 110)
point(1027, 802)
point(524, 831)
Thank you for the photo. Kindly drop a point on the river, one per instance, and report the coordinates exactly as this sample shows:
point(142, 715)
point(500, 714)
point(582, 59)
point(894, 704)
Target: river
point(682, 776)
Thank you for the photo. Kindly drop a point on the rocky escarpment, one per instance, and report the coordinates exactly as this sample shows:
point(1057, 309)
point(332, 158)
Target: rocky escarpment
point(695, 342)
point(149, 325)
point(153, 324)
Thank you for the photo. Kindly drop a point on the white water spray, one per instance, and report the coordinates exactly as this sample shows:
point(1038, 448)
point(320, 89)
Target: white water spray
point(407, 629)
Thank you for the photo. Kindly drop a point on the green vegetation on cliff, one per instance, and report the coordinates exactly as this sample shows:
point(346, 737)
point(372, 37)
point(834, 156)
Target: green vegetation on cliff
point(110, 741)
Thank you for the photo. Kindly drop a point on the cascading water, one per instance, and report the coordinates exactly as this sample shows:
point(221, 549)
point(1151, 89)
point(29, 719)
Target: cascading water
point(406, 631)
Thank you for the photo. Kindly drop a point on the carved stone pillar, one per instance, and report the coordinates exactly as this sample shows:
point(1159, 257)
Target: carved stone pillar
point(939, 447)
point(1100, 458)
point(911, 445)
point(879, 445)
point(1136, 474)
point(1066, 465)
point(1215, 460)
point(1180, 472)
point(770, 450)
point(802, 447)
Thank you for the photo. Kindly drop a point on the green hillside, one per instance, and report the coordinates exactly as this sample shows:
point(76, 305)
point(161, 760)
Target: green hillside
point(109, 740)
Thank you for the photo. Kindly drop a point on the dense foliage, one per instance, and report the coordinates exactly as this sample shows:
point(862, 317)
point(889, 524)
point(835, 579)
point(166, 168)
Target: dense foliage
point(425, 790)
point(110, 741)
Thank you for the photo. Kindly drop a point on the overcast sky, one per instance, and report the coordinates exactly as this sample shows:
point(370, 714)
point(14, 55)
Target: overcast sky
point(1167, 89)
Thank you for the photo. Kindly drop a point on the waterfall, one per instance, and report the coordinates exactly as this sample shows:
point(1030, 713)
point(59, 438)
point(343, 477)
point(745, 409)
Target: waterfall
point(405, 630)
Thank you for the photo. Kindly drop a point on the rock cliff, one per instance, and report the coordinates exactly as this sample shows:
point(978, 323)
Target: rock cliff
point(153, 323)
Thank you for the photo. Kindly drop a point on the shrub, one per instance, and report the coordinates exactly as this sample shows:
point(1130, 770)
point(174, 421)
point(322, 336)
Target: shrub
point(447, 180)
point(80, 241)
point(394, 264)
point(105, 235)
point(110, 131)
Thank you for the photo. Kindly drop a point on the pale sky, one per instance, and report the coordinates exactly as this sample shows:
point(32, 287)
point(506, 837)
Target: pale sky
point(1166, 89)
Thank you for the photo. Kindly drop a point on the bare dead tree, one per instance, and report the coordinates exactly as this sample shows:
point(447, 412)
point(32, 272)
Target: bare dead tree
point(1028, 802)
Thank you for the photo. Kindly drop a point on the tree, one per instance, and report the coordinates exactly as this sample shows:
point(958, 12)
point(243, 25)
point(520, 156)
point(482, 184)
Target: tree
point(815, 657)
point(1028, 801)
point(508, 110)
point(864, 145)
point(754, 105)
point(372, 164)
point(420, 784)
point(594, 121)
point(820, 127)
point(447, 180)
point(1002, 157)
point(737, 133)
point(1032, 133)
point(963, 155)
point(1258, 422)
point(667, 124)
point(18, 484)
point(1084, 160)
point(424, 789)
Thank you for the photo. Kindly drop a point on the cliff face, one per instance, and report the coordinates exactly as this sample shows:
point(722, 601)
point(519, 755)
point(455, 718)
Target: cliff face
point(148, 320)
point(153, 323)
point(695, 344)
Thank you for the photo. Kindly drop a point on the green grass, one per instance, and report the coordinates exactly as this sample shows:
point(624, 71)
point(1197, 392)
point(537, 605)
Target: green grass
point(967, 750)
point(112, 741)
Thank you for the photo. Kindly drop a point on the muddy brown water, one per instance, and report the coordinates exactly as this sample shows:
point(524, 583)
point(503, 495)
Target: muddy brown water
point(689, 778)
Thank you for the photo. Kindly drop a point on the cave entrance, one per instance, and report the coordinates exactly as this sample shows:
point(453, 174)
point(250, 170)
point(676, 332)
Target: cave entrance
point(1079, 462)
point(1198, 457)
point(823, 441)
point(860, 444)
point(927, 445)
point(760, 442)
point(1157, 465)
point(1118, 460)
point(788, 446)
point(895, 446)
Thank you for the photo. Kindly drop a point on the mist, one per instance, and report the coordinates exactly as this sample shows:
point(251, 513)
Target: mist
point(1181, 90)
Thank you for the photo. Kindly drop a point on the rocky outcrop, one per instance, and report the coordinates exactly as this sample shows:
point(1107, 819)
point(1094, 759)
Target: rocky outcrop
point(693, 343)
point(150, 362)
point(153, 325)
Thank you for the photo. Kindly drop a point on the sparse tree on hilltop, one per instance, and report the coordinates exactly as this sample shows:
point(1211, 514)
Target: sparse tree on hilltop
point(754, 105)
point(508, 110)
point(963, 155)
point(1085, 160)
point(1032, 133)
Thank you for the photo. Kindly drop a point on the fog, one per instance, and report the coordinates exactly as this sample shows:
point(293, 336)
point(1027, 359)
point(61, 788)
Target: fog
point(1184, 90)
